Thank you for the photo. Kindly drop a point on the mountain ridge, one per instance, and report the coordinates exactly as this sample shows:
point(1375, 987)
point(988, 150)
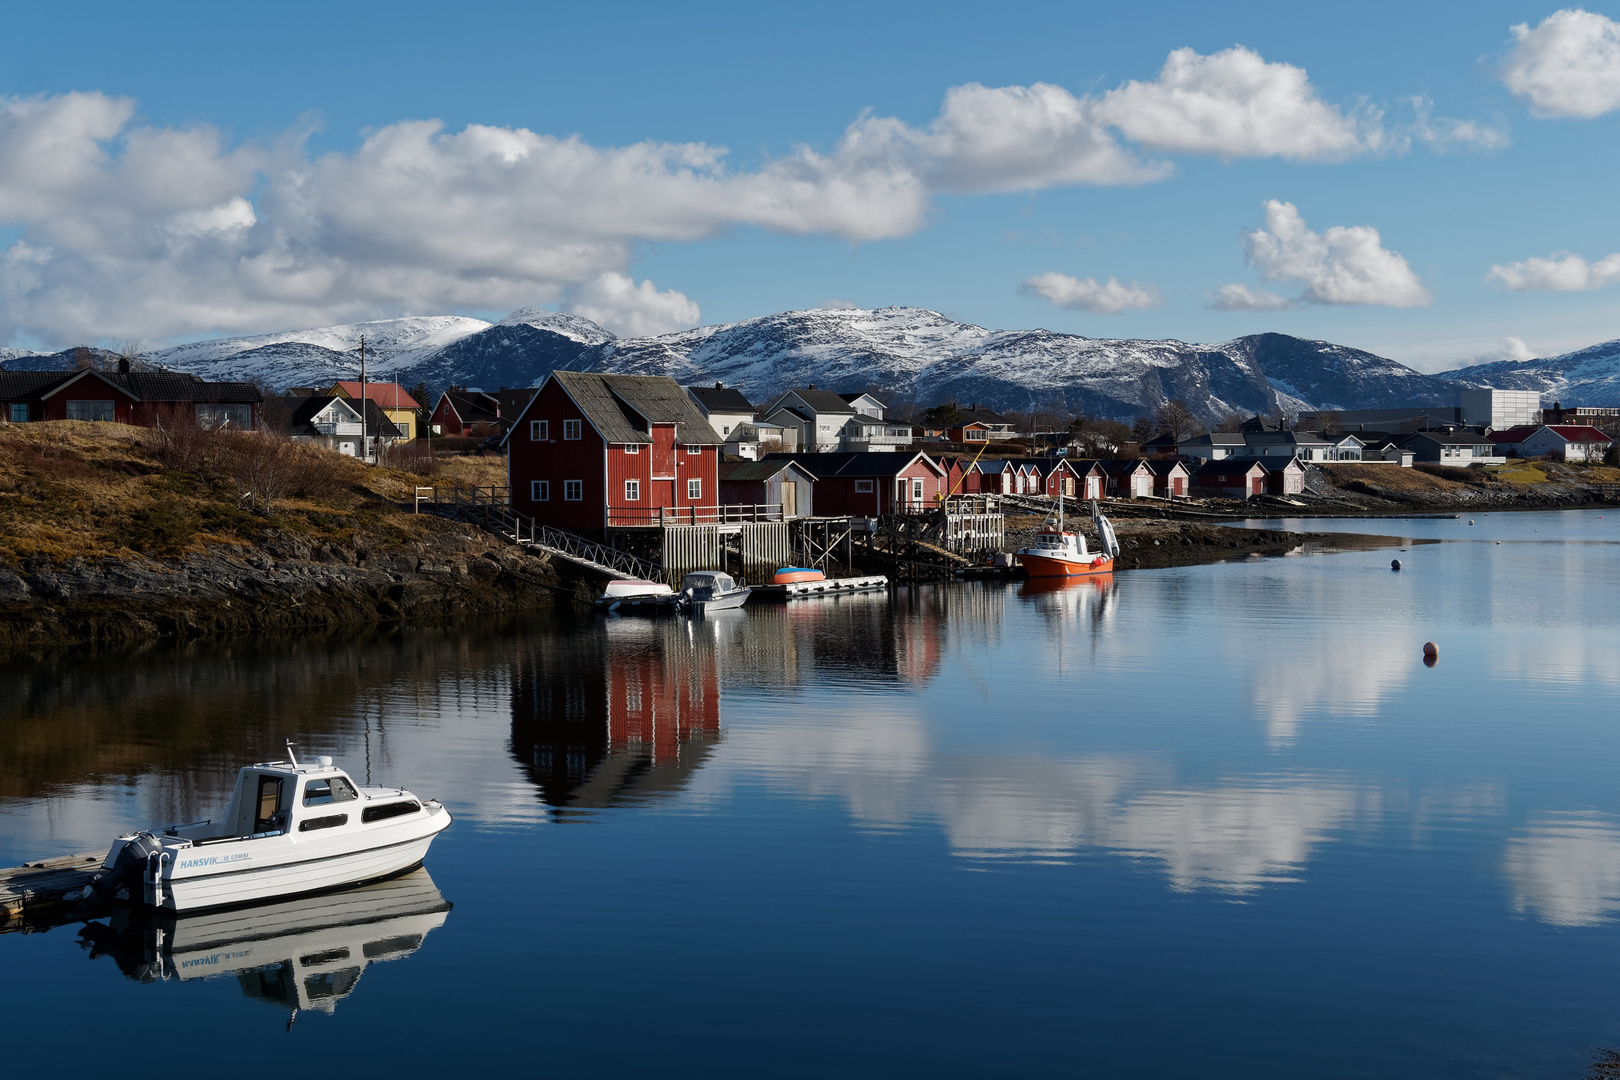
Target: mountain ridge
point(912, 355)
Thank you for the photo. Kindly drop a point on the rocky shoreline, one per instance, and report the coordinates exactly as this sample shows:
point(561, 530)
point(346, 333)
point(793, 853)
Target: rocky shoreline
point(283, 583)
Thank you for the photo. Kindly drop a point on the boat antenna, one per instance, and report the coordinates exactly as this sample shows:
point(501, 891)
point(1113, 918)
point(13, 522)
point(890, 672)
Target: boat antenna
point(291, 757)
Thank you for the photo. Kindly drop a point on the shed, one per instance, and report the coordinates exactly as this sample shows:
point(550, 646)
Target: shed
point(769, 483)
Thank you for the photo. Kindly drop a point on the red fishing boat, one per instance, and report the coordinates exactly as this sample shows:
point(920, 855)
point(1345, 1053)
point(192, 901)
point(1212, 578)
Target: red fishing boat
point(1058, 553)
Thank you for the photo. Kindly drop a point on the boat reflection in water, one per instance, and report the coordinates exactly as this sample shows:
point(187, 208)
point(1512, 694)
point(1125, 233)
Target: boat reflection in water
point(297, 954)
point(1069, 597)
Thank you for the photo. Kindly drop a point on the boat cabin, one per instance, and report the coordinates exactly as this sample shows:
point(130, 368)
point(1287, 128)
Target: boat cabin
point(274, 798)
point(707, 585)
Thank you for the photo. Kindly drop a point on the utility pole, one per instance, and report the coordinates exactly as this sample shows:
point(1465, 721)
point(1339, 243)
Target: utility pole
point(365, 451)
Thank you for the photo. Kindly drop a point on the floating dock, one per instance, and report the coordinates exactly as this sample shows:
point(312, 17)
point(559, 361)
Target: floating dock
point(40, 885)
point(798, 590)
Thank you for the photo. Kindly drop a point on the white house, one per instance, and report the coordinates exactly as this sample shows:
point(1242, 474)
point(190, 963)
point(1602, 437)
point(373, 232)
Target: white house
point(335, 424)
point(1575, 442)
point(746, 440)
point(829, 422)
point(724, 406)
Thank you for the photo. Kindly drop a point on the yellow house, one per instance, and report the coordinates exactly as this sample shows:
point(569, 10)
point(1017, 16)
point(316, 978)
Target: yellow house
point(391, 398)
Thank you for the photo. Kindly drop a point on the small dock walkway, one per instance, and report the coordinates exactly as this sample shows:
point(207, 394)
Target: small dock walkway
point(38, 886)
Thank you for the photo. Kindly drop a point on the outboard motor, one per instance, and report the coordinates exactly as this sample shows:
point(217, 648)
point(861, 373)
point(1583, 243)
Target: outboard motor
point(126, 869)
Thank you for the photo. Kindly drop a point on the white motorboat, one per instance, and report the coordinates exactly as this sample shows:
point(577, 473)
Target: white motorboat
point(303, 954)
point(290, 828)
point(626, 593)
point(711, 590)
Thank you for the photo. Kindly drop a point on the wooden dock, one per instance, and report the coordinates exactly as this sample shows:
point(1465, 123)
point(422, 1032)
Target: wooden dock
point(39, 886)
point(828, 587)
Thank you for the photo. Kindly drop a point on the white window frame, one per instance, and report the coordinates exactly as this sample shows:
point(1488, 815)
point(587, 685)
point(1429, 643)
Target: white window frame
point(539, 431)
point(632, 491)
point(573, 491)
point(863, 487)
point(632, 448)
point(916, 490)
point(540, 490)
point(694, 488)
point(573, 430)
point(693, 451)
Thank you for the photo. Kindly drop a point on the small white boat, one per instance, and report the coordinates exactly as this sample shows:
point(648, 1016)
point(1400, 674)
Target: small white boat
point(711, 590)
point(636, 593)
point(290, 828)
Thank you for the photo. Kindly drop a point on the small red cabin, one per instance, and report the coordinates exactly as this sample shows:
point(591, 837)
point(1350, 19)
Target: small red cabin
point(872, 483)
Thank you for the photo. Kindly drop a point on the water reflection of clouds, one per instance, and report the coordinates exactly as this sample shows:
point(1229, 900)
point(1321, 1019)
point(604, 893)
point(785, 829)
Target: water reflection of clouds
point(1347, 676)
point(1565, 868)
point(1233, 837)
point(1575, 660)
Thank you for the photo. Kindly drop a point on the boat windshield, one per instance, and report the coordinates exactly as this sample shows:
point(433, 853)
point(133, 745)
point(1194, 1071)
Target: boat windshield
point(328, 790)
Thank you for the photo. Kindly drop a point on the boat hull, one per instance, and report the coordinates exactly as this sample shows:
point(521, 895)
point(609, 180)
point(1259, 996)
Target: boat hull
point(1048, 566)
point(254, 876)
point(723, 602)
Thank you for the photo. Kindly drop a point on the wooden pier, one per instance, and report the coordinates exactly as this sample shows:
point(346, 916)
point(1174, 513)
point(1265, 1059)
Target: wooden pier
point(40, 886)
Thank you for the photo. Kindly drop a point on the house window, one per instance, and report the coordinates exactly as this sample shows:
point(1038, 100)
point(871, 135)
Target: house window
point(632, 448)
point(693, 451)
point(694, 489)
point(571, 428)
point(90, 410)
point(213, 415)
point(540, 490)
point(539, 430)
point(19, 413)
point(917, 490)
point(632, 491)
point(863, 487)
point(573, 490)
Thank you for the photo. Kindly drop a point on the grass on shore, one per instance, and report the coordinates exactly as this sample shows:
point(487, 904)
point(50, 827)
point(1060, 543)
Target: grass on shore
point(73, 489)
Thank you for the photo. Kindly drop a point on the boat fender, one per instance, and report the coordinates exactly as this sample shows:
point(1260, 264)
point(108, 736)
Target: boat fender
point(1430, 649)
point(126, 869)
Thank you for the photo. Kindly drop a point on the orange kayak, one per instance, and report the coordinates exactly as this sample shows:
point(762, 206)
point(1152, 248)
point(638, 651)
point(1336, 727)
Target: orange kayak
point(788, 575)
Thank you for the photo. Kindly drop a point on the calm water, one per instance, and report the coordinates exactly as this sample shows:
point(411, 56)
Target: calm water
point(1218, 821)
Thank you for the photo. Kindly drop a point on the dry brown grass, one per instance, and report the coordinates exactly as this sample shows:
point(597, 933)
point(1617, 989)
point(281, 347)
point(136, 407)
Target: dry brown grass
point(1391, 477)
point(70, 489)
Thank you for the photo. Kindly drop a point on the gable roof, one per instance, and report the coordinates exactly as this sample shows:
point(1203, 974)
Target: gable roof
point(16, 385)
point(717, 398)
point(389, 395)
point(1580, 433)
point(860, 464)
point(469, 408)
point(1240, 465)
point(1513, 434)
point(151, 386)
point(377, 422)
point(618, 406)
point(822, 401)
point(975, 413)
point(1123, 466)
point(1166, 466)
point(1215, 438)
point(1448, 438)
point(746, 471)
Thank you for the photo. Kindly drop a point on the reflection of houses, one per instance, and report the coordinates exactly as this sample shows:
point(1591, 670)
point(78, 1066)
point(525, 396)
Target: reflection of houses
point(625, 712)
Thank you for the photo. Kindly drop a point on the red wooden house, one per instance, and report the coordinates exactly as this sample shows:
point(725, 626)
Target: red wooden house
point(127, 397)
point(1128, 478)
point(866, 484)
point(1236, 478)
point(594, 451)
point(457, 411)
point(1170, 477)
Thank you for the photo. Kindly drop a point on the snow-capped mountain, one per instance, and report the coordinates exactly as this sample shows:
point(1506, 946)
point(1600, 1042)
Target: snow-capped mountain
point(1589, 376)
point(909, 355)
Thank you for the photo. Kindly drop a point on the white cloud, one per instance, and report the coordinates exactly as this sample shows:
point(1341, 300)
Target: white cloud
point(616, 302)
point(1107, 298)
point(1234, 104)
point(1559, 272)
point(143, 232)
point(1443, 134)
point(1512, 348)
point(1345, 265)
point(1244, 298)
point(1569, 65)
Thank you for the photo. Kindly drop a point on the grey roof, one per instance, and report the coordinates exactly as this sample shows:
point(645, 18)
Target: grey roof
point(472, 408)
point(1283, 438)
point(974, 414)
point(854, 463)
point(1234, 464)
point(1121, 466)
point(823, 401)
point(1164, 466)
point(621, 406)
point(747, 471)
point(726, 399)
point(1271, 464)
point(149, 386)
point(1216, 438)
point(1448, 438)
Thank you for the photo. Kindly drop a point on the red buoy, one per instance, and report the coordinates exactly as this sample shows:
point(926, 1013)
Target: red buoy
point(1430, 649)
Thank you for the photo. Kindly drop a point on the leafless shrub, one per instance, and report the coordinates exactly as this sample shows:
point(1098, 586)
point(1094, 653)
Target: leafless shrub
point(179, 443)
point(415, 456)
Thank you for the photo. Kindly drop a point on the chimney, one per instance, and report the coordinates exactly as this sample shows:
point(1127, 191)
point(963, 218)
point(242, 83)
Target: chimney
point(718, 385)
point(123, 365)
point(812, 386)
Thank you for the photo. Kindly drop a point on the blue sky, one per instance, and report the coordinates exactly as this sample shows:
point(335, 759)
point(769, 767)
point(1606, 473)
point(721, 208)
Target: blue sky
point(193, 170)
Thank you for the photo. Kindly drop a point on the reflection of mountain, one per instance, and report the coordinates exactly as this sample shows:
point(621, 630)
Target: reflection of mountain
point(624, 709)
point(298, 954)
point(1566, 868)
